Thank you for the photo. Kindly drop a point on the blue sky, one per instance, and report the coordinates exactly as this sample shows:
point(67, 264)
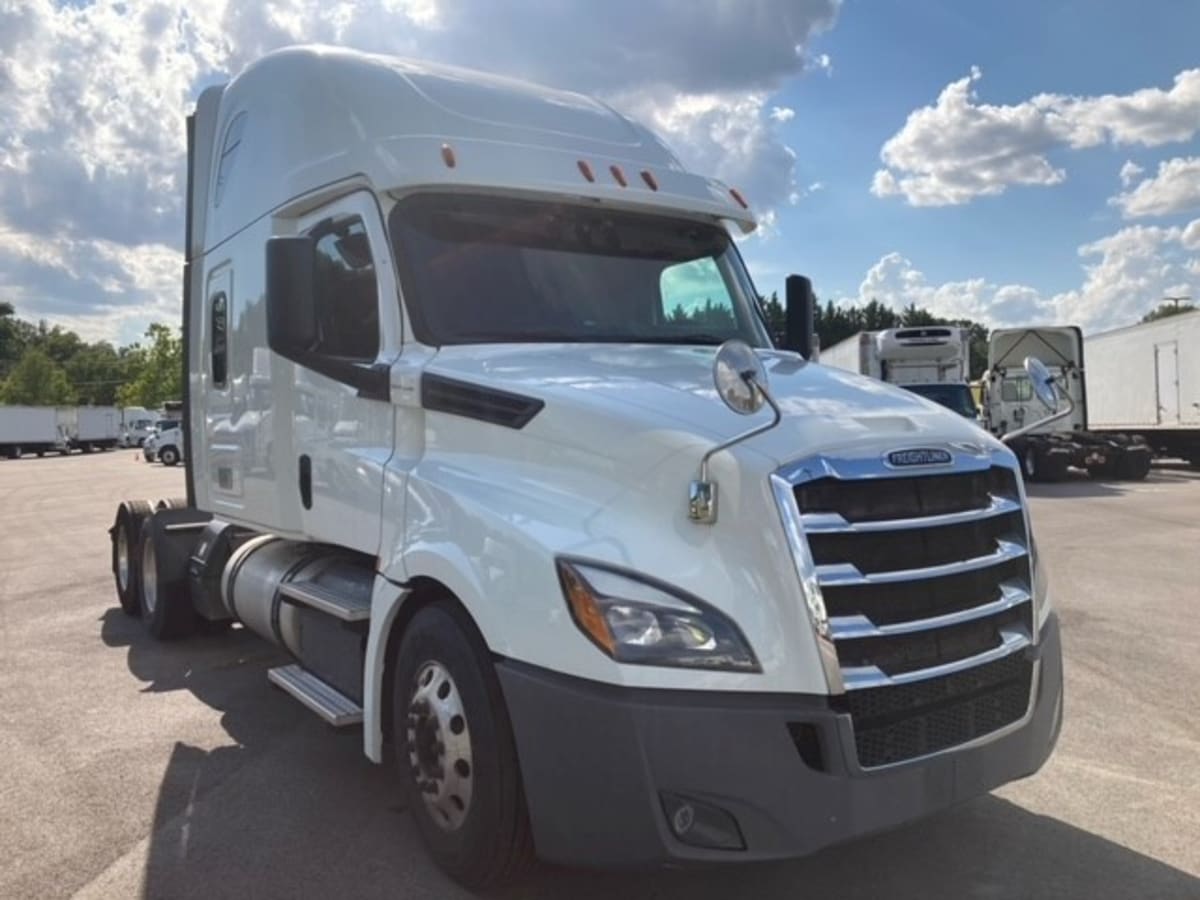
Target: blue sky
point(1011, 162)
point(888, 59)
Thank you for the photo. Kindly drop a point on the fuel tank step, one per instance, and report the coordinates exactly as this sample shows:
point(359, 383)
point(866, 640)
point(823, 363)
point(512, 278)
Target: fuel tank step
point(349, 606)
point(327, 702)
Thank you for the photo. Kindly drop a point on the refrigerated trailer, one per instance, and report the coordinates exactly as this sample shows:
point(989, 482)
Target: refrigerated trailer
point(930, 360)
point(607, 576)
point(1047, 451)
point(1144, 380)
point(30, 429)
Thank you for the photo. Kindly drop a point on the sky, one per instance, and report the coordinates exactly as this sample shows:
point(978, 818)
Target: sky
point(1012, 162)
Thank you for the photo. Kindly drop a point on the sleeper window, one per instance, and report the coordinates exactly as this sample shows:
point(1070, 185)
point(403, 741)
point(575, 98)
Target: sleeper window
point(345, 290)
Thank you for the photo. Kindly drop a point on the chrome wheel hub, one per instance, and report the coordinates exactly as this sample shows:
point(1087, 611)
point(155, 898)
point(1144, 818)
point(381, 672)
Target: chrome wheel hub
point(439, 746)
point(149, 576)
point(123, 559)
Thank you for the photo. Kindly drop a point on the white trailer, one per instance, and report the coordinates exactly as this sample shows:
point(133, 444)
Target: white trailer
point(97, 428)
point(30, 429)
point(1144, 380)
point(930, 360)
point(468, 360)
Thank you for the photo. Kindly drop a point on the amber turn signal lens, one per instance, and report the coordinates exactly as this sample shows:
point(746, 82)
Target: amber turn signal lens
point(586, 610)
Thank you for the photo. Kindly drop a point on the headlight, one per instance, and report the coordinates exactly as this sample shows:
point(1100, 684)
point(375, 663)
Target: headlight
point(635, 620)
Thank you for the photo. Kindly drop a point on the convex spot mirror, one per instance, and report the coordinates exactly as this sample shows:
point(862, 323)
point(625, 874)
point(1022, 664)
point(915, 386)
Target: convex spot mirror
point(740, 377)
point(1042, 381)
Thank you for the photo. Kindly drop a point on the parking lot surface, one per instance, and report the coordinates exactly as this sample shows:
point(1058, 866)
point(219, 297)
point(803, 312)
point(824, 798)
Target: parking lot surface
point(135, 769)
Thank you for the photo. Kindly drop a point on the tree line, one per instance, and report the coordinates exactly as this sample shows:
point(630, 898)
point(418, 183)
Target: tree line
point(42, 365)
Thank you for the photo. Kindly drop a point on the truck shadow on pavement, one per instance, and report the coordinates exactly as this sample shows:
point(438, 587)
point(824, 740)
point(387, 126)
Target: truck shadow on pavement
point(1079, 484)
point(289, 808)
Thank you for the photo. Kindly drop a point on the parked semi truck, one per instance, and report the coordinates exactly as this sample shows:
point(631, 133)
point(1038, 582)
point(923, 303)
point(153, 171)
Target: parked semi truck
point(605, 582)
point(1144, 381)
point(1048, 451)
point(31, 429)
point(932, 360)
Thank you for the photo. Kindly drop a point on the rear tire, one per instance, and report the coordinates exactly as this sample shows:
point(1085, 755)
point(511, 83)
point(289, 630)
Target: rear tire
point(1031, 464)
point(171, 503)
point(1133, 466)
point(447, 702)
point(126, 558)
point(166, 603)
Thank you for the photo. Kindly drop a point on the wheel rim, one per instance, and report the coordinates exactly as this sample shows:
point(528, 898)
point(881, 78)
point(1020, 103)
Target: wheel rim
point(1030, 464)
point(149, 576)
point(439, 746)
point(122, 559)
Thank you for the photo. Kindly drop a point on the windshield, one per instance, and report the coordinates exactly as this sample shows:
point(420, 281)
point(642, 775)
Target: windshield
point(952, 396)
point(493, 270)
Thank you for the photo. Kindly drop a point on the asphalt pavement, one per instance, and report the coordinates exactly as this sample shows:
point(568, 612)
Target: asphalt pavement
point(135, 769)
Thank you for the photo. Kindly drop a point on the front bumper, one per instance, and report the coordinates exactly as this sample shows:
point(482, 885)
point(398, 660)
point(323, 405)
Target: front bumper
point(597, 759)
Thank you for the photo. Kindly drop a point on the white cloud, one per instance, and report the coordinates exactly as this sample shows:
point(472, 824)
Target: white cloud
point(1125, 275)
point(1129, 172)
point(960, 148)
point(93, 97)
point(1175, 189)
point(782, 113)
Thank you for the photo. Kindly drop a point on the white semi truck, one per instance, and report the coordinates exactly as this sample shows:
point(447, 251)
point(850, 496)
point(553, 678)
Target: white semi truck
point(931, 360)
point(1048, 451)
point(606, 582)
point(1145, 381)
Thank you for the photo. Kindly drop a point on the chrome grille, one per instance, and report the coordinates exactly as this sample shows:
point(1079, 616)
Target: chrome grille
point(925, 580)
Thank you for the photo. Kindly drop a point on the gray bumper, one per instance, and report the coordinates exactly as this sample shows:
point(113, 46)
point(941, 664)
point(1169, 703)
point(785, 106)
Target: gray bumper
point(596, 760)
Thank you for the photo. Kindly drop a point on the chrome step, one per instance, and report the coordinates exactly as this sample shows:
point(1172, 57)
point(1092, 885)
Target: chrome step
point(347, 607)
point(326, 701)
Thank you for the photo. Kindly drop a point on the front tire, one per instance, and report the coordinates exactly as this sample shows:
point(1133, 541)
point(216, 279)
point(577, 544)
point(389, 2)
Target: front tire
point(456, 753)
point(168, 456)
point(1030, 464)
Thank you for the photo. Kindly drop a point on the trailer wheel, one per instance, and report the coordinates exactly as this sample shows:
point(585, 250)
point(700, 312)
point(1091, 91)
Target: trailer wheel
point(14, 452)
point(172, 503)
point(168, 456)
point(126, 563)
point(1133, 465)
point(166, 604)
point(456, 753)
point(40, 453)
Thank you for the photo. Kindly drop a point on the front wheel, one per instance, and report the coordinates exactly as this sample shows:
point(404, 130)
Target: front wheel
point(1029, 464)
point(455, 749)
point(168, 456)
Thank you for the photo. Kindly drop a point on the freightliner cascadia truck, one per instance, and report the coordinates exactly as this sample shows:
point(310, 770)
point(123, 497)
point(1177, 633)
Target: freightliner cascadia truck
point(486, 431)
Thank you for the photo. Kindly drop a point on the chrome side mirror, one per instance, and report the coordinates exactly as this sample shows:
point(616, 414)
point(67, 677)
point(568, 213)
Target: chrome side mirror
point(741, 382)
point(1043, 382)
point(1047, 391)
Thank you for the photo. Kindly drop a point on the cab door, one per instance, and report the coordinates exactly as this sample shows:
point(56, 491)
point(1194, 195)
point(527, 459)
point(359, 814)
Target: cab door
point(342, 432)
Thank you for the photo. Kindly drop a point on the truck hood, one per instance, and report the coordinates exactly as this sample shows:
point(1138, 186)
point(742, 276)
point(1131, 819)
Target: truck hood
point(605, 396)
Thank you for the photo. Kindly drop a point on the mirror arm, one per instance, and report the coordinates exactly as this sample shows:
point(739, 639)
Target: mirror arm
point(1053, 417)
point(702, 493)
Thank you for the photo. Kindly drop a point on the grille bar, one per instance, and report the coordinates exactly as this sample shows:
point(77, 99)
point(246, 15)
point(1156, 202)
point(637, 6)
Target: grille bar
point(835, 523)
point(1012, 595)
point(859, 678)
point(840, 574)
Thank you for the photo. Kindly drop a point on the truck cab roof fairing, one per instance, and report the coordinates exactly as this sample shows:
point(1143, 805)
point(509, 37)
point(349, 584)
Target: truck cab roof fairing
point(319, 115)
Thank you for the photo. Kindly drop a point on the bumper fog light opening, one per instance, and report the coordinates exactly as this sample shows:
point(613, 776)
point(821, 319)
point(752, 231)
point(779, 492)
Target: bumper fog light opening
point(700, 824)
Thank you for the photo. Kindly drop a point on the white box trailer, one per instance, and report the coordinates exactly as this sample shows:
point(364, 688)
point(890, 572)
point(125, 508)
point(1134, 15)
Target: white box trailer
point(97, 428)
point(1145, 380)
point(30, 429)
point(479, 513)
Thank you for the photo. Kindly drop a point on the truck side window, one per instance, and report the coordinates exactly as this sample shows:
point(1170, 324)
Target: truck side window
point(694, 294)
point(345, 292)
point(220, 339)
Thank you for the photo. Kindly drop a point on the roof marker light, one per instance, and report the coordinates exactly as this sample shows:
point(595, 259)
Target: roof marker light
point(448, 156)
point(586, 170)
point(651, 181)
point(618, 176)
point(737, 195)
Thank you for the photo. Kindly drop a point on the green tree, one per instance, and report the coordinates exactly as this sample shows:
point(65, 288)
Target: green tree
point(37, 380)
point(156, 371)
point(96, 371)
point(1168, 308)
